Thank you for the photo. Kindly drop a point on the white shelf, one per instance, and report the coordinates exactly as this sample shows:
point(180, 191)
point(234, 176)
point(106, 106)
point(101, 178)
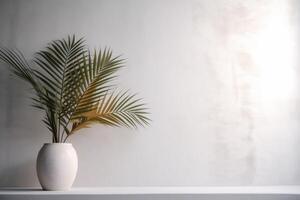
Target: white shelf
point(158, 193)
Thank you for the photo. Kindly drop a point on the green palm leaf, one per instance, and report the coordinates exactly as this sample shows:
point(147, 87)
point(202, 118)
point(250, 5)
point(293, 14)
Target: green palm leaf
point(96, 73)
point(118, 110)
point(42, 100)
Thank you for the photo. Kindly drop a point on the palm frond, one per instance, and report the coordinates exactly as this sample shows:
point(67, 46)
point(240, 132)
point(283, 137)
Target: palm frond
point(21, 68)
point(92, 82)
point(73, 86)
point(57, 63)
point(118, 110)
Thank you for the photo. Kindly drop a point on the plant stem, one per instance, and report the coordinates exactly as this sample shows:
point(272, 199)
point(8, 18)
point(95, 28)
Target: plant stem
point(66, 138)
point(58, 129)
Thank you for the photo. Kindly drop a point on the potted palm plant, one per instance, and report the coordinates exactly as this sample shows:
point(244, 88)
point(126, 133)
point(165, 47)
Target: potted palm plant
point(73, 87)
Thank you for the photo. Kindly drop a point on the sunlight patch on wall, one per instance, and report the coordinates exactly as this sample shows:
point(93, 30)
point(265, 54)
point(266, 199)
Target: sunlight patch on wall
point(275, 56)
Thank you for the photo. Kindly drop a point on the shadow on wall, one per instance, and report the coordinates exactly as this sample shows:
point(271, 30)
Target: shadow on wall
point(19, 128)
point(19, 123)
point(19, 175)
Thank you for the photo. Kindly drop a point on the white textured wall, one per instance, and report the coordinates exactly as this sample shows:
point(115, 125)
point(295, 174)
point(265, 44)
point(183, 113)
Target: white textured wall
point(221, 78)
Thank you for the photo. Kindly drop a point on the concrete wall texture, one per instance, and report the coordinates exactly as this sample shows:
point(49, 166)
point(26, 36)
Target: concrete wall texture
point(221, 79)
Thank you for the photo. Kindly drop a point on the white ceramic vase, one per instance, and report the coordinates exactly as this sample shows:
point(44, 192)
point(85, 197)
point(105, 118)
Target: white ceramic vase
point(56, 166)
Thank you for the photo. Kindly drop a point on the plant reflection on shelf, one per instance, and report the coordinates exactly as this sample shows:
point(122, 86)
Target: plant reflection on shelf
point(73, 86)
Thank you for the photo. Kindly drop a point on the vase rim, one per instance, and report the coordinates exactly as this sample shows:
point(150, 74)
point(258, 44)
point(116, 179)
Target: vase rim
point(58, 143)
